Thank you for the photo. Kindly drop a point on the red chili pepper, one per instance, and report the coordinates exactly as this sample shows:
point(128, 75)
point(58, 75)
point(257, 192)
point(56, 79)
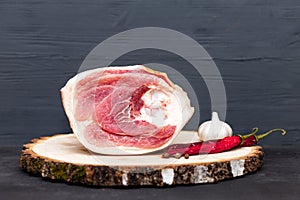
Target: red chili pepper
point(216, 146)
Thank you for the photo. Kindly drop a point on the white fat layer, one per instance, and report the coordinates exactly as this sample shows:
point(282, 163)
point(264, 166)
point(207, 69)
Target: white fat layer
point(160, 108)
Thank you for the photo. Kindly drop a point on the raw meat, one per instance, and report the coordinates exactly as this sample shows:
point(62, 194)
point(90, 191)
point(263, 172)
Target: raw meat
point(125, 110)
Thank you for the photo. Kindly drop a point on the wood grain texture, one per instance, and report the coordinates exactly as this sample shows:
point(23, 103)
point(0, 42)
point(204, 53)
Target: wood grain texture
point(255, 45)
point(63, 158)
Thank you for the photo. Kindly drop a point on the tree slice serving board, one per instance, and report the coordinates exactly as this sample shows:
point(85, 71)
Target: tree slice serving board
point(61, 157)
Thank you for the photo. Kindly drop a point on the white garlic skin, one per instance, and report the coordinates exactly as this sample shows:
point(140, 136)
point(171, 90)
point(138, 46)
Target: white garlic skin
point(214, 129)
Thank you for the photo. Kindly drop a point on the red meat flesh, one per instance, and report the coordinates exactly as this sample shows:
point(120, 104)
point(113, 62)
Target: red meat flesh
point(112, 99)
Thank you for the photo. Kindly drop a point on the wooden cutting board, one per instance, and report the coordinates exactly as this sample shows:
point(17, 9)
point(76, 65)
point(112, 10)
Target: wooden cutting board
point(61, 157)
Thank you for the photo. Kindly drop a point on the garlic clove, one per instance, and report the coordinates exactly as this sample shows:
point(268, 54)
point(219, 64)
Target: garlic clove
point(214, 129)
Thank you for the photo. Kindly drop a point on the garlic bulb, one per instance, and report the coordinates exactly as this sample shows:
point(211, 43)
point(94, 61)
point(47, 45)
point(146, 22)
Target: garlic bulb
point(214, 129)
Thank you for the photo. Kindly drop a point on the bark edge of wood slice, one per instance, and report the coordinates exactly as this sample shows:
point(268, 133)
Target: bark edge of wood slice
point(62, 158)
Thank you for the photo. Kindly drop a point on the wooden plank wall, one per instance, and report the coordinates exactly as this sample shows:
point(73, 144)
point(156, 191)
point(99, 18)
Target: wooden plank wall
point(255, 45)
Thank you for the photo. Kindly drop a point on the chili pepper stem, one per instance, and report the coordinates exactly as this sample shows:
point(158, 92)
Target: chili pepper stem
point(243, 137)
point(254, 131)
point(259, 137)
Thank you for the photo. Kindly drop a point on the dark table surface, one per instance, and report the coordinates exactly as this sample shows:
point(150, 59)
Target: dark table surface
point(255, 44)
point(279, 178)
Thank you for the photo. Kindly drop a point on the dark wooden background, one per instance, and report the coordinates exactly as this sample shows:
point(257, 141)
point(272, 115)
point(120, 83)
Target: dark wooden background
point(255, 44)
